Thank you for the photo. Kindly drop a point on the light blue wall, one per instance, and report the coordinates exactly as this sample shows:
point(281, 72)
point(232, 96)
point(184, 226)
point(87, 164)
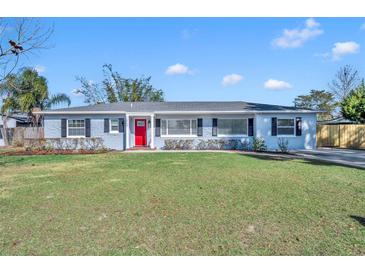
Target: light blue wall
point(306, 141)
point(262, 128)
point(52, 128)
point(207, 127)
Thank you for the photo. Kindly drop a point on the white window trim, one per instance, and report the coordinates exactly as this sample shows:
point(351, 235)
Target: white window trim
point(286, 135)
point(233, 135)
point(180, 135)
point(110, 126)
point(76, 136)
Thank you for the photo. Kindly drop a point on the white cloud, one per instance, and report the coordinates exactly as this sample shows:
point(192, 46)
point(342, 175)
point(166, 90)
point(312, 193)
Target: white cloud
point(75, 92)
point(177, 69)
point(40, 68)
point(274, 84)
point(294, 38)
point(311, 23)
point(341, 49)
point(231, 79)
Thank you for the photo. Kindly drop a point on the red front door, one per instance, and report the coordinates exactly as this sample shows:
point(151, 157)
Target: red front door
point(140, 127)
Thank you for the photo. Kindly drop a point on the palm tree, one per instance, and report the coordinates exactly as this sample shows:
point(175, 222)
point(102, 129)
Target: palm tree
point(25, 91)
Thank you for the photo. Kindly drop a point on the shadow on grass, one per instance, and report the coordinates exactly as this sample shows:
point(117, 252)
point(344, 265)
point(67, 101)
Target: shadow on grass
point(289, 157)
point(34, 159)
point(361, 220)
point(6, 160)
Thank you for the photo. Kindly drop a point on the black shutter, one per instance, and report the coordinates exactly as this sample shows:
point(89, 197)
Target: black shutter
point(214, 127)
point(250, 127)
point(87, 128)
point(298, 126)
point(158, 128)
point(63, 128)
point(200, 127)
point(274, 126)
point(106, 125)
point(121, 125)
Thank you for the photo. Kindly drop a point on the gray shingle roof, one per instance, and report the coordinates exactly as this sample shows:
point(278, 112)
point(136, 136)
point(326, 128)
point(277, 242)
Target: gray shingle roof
point(179, 106)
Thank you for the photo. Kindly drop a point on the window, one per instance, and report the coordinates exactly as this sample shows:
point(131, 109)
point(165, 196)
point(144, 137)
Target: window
point(140, 123)
point(286, 127)
point(114, 125)
point(1, 132)
point(232, 127)
point(178, 128)
point(76, 128)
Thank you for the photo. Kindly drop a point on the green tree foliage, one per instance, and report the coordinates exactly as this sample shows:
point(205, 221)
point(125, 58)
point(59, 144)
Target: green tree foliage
point(353, 106)
point(114, 88)
point(92, 92)
point(318, 100)
point(26, 90)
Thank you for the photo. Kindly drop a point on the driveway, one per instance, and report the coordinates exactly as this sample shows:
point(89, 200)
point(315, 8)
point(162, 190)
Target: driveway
point(348, 157)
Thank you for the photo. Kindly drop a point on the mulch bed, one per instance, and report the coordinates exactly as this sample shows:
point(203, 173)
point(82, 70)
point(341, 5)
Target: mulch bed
point(50, 152)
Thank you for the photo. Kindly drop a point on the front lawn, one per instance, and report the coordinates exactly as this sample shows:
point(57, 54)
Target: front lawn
point(179, 204)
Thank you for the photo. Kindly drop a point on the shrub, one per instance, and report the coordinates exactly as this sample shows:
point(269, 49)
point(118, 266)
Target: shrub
point(175, 144)
point(283, 145)
point(246, 145)
point(232, 144)
point(34, 144)
point(258, 144)
point(89, 143)
point(17, 143)
point(214, 144)
point(210, 144)
point(206, 144)
point(201, 145)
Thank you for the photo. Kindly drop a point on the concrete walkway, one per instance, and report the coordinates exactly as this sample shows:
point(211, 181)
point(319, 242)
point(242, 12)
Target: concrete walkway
point(348, 157)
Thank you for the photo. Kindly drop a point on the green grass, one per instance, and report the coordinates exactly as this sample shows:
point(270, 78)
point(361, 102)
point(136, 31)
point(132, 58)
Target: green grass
point(179, 204)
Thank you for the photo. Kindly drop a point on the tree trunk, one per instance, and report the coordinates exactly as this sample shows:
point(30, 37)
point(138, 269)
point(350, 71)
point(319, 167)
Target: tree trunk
point(5, 130)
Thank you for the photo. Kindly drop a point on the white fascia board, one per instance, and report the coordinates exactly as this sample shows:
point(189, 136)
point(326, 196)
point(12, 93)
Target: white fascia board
point(79, 112)
point(140, 113)
point(179, 112)
point(237, 112)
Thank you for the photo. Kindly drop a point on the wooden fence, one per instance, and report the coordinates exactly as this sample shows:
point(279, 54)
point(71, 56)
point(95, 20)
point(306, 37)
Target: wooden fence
point(342, 136)
point(23, 136)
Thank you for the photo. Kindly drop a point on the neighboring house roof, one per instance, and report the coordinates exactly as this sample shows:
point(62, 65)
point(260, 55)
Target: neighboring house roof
point(178, 107)
point(20, 117)
point(336, 121)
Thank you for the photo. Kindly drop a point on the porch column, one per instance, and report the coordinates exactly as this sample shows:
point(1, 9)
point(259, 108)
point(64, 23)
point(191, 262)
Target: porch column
point(152, 131)
point(127, 131)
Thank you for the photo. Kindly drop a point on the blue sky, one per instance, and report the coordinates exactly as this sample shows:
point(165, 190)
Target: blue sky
point(249, 59)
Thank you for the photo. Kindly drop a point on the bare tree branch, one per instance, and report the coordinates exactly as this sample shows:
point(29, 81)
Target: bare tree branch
point(345, 80)
point(19, 37)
